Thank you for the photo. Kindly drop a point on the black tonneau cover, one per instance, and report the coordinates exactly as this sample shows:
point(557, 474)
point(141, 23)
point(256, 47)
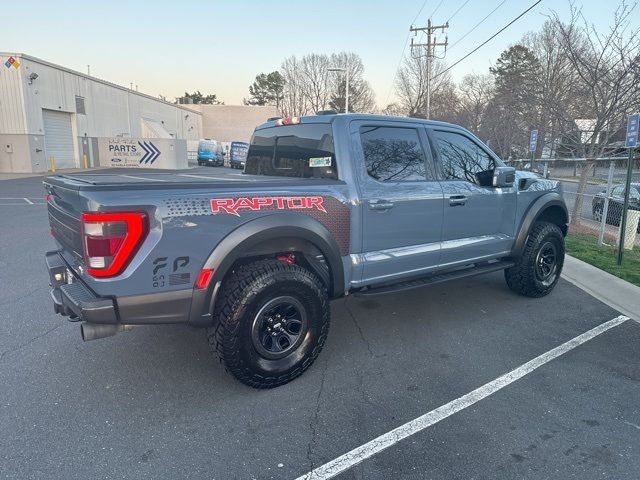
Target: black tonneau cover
point(140, 180)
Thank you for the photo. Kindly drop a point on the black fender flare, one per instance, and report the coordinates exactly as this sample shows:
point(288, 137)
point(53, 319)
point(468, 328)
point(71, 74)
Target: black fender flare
point(248, 237)
point(551, 199)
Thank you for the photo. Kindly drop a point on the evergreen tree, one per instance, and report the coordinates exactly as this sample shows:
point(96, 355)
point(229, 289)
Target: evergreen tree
point(266, 89)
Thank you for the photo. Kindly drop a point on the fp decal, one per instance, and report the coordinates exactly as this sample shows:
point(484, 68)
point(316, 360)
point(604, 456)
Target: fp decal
point(233, 205)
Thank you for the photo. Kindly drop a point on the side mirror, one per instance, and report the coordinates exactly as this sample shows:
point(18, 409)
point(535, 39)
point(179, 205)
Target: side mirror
point(504, 177)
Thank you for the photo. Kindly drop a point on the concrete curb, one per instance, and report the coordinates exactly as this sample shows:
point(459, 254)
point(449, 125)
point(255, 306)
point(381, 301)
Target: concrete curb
point(609, 289)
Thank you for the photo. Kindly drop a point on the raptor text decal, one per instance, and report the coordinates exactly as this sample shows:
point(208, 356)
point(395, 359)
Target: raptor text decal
point(233, 205)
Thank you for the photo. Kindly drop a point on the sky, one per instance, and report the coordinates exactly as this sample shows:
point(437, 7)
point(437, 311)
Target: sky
point(167, 48)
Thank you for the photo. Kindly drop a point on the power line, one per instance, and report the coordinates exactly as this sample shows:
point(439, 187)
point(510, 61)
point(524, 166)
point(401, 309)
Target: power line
point(395, 75)
point(477, 25)
point(456, 12)
point(436, 9)
point(419, 12)
point(490, 38)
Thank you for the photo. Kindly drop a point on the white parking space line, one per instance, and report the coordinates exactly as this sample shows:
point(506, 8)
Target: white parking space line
point(384, 441)
point(143, 178)
point(20, 198)
point(17, 201)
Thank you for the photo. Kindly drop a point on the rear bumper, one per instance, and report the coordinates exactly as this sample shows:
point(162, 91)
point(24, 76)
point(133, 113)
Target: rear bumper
point(210, 160)
point(73, 299)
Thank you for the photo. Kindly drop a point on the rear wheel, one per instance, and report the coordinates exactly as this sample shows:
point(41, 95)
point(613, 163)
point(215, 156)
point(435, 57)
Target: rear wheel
point(538, 269)
point(272, 320)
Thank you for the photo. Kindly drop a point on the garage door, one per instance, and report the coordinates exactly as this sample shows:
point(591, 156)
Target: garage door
point(58, 138)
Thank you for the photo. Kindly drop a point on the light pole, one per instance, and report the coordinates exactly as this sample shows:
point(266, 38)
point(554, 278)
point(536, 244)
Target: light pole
point(346, 95)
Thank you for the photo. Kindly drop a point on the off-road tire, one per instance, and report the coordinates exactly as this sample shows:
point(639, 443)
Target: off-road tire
point(523, 277)
point(243, 297)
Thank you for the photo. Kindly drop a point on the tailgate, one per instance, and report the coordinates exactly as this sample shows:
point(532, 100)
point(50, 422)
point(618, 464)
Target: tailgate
point(65, 228)
point(64, 206)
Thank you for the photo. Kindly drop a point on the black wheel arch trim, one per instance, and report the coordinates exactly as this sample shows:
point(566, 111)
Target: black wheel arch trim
point(537, 208)
point(250, 235)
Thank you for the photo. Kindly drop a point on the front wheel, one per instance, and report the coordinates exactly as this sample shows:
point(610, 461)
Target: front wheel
point(272, 320)
point(538, 269)
point(597, 213)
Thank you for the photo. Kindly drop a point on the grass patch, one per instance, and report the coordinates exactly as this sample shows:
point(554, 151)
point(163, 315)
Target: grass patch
point(586, 248)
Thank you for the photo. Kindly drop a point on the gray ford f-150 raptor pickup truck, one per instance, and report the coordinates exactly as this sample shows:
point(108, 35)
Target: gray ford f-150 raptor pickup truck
point(328, 205)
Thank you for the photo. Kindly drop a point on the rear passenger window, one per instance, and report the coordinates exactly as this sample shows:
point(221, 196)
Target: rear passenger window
point(301, 151)
point(393, 154)
point(463, 159)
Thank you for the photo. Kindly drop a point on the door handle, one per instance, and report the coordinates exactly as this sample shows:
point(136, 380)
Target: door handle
point(457, 200)
point(380, 204)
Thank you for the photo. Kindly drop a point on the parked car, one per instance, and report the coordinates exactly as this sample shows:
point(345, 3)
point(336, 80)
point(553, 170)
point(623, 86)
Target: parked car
point(616, 203)
point(329, 205)
point(210, 152)
point(238, 154)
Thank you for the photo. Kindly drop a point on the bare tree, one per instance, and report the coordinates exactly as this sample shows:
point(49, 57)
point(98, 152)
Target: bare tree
point(499, 130)
point(309, 86)
point(361, 96)
point(475, 92)
point(608, 67)
point(294, 97)
point(445, 102)
point(315, 77)
point(411, 83)
point(393, 109)
point(561, 95)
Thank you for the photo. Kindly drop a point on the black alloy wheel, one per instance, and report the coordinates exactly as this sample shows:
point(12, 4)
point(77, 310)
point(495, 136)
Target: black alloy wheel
point(546, 263)
point(279, 327)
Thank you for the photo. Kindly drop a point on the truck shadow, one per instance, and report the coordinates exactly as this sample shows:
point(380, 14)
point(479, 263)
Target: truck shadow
point(389, 335)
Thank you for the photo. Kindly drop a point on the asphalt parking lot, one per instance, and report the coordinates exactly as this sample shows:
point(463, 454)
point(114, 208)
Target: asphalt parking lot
point(153, 403)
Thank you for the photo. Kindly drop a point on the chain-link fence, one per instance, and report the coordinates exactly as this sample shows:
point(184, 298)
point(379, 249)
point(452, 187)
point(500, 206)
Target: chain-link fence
point(598, 211)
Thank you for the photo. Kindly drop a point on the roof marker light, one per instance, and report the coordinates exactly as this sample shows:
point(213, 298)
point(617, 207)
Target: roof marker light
point(288, 121)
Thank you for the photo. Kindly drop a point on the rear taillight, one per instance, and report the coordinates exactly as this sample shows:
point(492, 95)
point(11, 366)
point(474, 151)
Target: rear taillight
point(110, 239)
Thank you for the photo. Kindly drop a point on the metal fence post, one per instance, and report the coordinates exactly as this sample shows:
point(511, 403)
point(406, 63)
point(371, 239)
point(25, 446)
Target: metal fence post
point(605, 209)
point(625, 208)
point(52, 164)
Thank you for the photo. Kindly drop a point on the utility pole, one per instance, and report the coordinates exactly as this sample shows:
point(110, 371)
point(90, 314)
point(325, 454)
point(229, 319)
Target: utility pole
point(430, 46)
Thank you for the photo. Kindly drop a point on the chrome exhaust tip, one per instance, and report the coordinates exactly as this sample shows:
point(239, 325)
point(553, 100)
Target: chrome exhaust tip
point(94, 331)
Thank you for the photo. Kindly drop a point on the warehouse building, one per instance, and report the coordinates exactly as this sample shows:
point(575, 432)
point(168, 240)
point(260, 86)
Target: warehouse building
point(51, 114)
point(233, 123)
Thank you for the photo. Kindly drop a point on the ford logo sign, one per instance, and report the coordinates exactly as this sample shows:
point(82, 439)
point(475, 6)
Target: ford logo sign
point(116, 160)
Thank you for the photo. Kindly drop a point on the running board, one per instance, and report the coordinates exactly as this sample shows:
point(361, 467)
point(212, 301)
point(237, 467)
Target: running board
point(437, 278)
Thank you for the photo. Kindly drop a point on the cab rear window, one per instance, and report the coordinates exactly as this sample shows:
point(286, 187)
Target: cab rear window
point(301, 151)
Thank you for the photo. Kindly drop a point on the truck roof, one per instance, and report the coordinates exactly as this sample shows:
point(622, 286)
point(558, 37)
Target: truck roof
point(330, 118)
